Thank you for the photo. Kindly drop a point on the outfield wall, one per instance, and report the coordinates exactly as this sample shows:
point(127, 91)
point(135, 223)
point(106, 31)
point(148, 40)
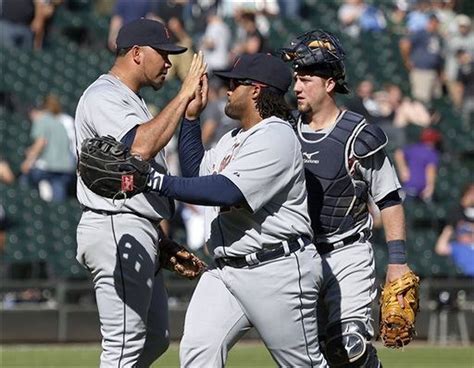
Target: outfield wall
point(71, 315)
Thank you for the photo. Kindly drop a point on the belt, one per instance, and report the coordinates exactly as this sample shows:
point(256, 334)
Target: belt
point(324, 248)
point(253, 259)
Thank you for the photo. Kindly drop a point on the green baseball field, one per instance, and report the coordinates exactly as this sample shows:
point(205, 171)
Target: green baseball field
point(242, 355)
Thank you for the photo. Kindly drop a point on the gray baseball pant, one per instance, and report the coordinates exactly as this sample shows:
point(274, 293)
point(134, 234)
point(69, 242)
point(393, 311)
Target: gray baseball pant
point(348, 288)
point(278, 298)
point(120, 252)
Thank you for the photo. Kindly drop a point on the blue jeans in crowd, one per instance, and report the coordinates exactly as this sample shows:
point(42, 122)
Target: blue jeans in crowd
point(15, 35)
point(59, 182)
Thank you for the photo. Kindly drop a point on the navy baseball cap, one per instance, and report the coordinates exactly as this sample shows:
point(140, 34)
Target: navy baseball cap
point(263, 68)
point(147, 32)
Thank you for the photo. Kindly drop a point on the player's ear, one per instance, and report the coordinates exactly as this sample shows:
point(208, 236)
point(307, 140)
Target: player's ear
point(137, 54)
point(330, 85)
point(256, 90)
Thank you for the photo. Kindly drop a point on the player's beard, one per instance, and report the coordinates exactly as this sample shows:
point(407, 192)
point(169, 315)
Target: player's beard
point(303, 107)
point(232, 110)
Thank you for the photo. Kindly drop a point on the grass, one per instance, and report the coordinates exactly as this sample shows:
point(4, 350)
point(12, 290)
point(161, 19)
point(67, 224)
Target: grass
point(242, 355)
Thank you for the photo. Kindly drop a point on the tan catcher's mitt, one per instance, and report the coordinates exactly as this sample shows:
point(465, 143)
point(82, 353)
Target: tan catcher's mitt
point(397, 324)
point(177, 258)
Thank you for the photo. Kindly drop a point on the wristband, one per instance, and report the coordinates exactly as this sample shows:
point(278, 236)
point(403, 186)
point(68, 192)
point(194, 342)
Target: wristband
point(155, 180)
point(397, 252)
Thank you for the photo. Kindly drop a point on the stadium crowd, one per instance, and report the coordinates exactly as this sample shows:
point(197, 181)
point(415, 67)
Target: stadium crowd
point(436, 47)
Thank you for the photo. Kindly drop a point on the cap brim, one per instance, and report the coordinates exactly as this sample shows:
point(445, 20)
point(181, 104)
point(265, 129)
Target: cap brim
point(228, 75)
point(170, 48)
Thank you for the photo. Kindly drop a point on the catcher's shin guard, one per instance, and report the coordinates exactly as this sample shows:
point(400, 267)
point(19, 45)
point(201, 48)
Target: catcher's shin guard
point(347, 345)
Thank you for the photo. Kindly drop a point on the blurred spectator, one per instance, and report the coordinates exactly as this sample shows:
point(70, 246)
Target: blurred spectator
point(422, 56)
point(400, 110)
point(52, 104)
point(194, 223)
point(417, 165)
point(465, 87)
point(349, 14)
point(290, 8)
point(23, 22)
point(457, 238)
point(166, 10)
point(44, 11)
point(444, 10)
point(215, 123)
point(124, 12)
point(372, 19)
point(49, 164)
point(195, 13)
point(397, 16)
point(396, 112)
point(261, 8)
point(6, 174)
point(6, 177)
point(250, 40)
point(356, 16)
point(103, 8)
point(364, 102)
point(462, 39)
point(215, 43)
point(15, 22)
point(181, 62)
point(417, 18)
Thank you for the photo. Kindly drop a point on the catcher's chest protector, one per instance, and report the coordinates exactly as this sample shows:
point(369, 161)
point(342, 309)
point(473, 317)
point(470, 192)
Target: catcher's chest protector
point(336, 199)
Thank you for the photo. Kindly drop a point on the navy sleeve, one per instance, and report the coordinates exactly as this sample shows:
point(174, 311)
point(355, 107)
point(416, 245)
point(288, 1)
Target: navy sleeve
point(130, 137)
point(210, 190)
point(391, 199)
point(190, 148)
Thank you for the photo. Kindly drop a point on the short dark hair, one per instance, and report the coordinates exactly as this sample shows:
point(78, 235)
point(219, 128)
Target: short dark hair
point(270, 103)
point(122, 51)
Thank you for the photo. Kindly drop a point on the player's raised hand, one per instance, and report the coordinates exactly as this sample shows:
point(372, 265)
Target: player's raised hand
point(199, 102)
point(193, 80)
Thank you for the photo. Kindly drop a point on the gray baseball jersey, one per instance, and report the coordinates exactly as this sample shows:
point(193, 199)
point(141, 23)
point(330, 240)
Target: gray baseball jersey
point(109, 107)
point(265, 164)
point(117, 242)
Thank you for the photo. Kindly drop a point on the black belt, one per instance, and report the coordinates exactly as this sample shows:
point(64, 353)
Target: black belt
point(324, 248)
point(264, 255)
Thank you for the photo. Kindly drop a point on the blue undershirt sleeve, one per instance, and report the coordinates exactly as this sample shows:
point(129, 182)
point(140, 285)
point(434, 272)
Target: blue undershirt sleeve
point(210, 190)
point(391, 199)
point(130, 137)
point(190, 148)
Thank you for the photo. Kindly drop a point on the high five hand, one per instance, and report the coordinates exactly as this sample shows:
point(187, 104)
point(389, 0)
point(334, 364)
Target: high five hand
point(192, 82)
point(199, 102)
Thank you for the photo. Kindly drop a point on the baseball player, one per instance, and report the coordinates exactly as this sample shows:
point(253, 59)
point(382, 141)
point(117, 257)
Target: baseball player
point(267, 271)
point(118, 244)
point(345, 164)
